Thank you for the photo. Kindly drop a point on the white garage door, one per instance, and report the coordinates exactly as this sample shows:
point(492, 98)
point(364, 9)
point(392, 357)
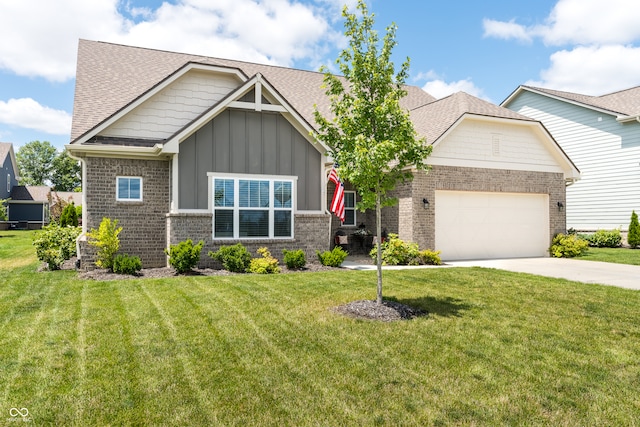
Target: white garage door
point(476, 225)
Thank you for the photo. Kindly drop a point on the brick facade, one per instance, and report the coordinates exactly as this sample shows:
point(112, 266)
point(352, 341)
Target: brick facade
point(412, 222)
point(311, 233)
point(143, 223)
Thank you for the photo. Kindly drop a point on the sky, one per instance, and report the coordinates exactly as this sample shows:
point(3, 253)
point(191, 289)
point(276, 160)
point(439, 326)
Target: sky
point(485, 48)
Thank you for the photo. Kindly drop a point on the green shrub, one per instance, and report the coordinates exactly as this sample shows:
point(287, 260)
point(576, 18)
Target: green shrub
point(125, 264)
point(294, 260)
point(3, 209)
point(106, 239)
point(568, 246)
point(69, 216)
point(396, 252)
point(234, 258)
point(185, 255)
point(55, 244)
point(429, 257)
point(265, 265)
point(633, 238)
point(605, 239)
point(332, 258)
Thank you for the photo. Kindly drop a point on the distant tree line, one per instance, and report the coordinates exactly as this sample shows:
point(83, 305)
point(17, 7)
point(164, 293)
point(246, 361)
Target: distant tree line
point(41, 164)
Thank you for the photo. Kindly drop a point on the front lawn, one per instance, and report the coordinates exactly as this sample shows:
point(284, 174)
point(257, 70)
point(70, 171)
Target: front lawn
point(497, 348)
point(615, 255)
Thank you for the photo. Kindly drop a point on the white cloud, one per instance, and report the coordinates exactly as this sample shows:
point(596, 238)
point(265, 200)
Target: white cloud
point(439, 88)
point(505, 30)
point(592, 70)
point(29, 114)
point(269, 31)
point(577, 22)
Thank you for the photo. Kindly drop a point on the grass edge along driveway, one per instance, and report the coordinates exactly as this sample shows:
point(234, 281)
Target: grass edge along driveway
point(496, 348)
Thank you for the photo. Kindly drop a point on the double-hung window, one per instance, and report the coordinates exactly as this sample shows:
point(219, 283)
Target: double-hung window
point(252, 207)
point(349, 208)
point(129, 188)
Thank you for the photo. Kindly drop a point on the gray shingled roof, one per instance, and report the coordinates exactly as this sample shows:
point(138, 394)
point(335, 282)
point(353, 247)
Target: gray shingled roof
point(36, 193)
point(434, 119)
point(625, 102)
point(66, 196)
point(111, 76)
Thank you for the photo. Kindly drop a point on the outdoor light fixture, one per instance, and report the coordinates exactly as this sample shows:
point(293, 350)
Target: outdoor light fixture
point(425, 203)
point(560, 206)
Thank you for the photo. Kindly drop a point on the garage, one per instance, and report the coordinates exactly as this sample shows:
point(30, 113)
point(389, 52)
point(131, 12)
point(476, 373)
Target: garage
point(485, 225)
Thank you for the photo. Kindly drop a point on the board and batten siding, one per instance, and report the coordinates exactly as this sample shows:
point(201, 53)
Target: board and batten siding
point(495, 145)
point(607, 153)
point(173, 107)
point(248, 142)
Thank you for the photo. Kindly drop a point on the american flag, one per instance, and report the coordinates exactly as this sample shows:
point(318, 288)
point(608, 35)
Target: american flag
point(337, 203)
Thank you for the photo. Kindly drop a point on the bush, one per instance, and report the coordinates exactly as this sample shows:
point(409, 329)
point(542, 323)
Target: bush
point(105, 238)
point(429, 257)
point(605, 239)
point(69, 216)
point(3, 209)
point(185, 255)
point(234, 258)
point(333, 258)
point(265, 265)
point(397, 252)
point(55, 244)
point(633, 238)
point(568, 246)
point(294, 260)
point(125, 264)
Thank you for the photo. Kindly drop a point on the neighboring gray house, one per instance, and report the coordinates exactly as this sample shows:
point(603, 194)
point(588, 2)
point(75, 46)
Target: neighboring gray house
point(180, 146)
point(601, 134)
point(29, 206)
point(8, 169)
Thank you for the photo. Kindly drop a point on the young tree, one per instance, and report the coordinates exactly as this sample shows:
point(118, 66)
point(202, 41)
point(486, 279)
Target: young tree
point(370, 136)
point(35, 160)
point(633, 237)
point(66, 173)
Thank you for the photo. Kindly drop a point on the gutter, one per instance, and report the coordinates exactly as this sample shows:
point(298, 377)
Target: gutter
point(628, 119)
point(121, 151)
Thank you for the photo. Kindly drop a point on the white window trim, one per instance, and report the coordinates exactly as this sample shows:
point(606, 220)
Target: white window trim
point(118, 198)
point(236, 208)
point(355, 215)
point(8, 183)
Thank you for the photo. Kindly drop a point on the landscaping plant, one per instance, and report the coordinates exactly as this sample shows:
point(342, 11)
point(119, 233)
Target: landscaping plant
point(266, 264)
point(69, 215)
point(332, 258)
point(125, 264)
point(568, 246)
point(294, 260)
point(397, 252)
point(234, 258)
point(429, 257)
point(185, 255)
point(106, 239)
point(633, 237)
point(605, 239)
point(56, 244)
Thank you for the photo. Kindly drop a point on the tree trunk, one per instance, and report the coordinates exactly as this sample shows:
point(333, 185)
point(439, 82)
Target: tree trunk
point(379, 247)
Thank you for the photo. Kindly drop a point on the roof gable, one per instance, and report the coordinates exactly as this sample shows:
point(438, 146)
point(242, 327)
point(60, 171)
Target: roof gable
point(623, 104)
point(30, 193)
point(6, 151)
point(110, 77)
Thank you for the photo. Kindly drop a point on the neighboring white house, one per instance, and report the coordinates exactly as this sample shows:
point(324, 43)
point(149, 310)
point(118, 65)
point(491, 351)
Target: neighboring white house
point(601, 134)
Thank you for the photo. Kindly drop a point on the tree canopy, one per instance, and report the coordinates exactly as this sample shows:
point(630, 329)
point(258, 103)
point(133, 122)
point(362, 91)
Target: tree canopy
point(40, 164)
point(370, 135)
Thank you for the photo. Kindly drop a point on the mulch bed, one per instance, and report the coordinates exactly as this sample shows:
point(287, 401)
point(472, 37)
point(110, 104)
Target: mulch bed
point(388, 311)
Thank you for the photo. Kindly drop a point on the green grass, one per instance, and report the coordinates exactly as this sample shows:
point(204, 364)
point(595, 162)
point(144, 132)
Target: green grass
point(615, 255)
point(497, 348)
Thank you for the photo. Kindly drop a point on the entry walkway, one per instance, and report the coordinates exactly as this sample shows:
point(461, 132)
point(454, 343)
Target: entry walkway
point(604, 273)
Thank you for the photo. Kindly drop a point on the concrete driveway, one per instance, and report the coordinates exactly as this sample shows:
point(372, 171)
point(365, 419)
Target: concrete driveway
point(604, 273)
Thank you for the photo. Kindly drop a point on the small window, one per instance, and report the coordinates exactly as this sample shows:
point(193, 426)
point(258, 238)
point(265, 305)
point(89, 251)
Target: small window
point(8, 183)
point(349, 208)
point(129, 188)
